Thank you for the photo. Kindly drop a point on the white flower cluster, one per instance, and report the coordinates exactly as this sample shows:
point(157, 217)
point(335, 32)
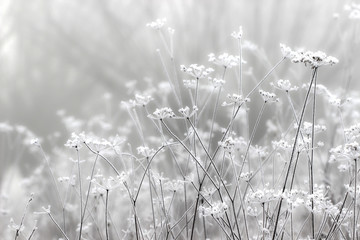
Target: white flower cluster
point(353, 9)
point(157, 24)
point(162, 113)
point(232, 144)
point(281, 145)
point(307, 128)
point(235, 99)
point(284, 85)
point(226, 60)
point(313, 59)
point(268, 97)
point(77, 140)
point(350, 152)
point(216, 82)
point(174, 185)
point(263, 196)
point(108, 184)
point(190, 84)
point(186, 111)
point(353, 132)
point(246, 176)
point(197, 71)
point(145, 151)
point(238, 35)
point(217, 210)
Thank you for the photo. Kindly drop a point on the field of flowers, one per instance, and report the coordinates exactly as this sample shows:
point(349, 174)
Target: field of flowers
point(243, 127)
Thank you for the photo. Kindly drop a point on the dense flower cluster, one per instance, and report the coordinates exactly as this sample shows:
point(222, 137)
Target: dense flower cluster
point(197, 71)
point(216, 210)
point(313, 59)
point(226, 60)
point(235, 99)
point(284, 85)
point(157, 24)
point(268, 97)
point(162, 113)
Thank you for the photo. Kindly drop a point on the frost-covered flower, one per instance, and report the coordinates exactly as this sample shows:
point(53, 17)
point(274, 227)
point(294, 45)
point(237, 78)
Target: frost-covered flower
point(268, 97)
point(307, 128)
point(353, 131)
point(142, 100)
point(146, 151)
point(162, 113)
point(197, 71)
point(263, 196)
point(185, 112)
point(216, 210)
point(284, 85)
point(217, 82)
point(228, 144)
point(190, 84)
point(350, 151)
point(75, 141)
point(226, 60)
point(313, 59)
point(353, 9)
point(281, 144)
point(246, 176)
point(157, 24)
point(235, 99)
point(237, 35)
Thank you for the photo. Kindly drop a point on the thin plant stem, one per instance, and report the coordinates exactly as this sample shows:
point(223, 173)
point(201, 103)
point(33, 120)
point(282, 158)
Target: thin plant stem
point(106, 214)
point(293, 151)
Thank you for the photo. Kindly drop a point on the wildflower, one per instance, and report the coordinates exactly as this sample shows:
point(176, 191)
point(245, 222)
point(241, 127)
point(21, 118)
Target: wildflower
point(198, 72)
point(353, 131)
point(307, 128)
point(237, 35)
point(226, 60)
point(174, 185)
point(353, 9)
point(350, 152)
point(281, 144)
point(228, 144)
point(74, 142)
point(162, 113)
point(263, 196)
point(142, 100)
point(190, 84)
point(246, 176)
point(268, 97)
point(186, 111)
point(313, 59)
point(217, 82)
point(235, 99)
point(217, 210)
point(284, 85)
point(157, 24)
point(35, 141)
point(146, 151)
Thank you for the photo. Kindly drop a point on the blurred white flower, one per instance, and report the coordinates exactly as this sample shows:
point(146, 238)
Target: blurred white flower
point(197, 71)
point(157, 24)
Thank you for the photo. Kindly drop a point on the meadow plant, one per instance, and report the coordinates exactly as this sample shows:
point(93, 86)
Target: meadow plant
point(185, 166)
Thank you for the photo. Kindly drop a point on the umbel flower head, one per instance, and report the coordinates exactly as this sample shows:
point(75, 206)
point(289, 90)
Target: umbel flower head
point(157, 24)
point(196, 71)
point(312, 59)
point(226, 60)
point(162, 113)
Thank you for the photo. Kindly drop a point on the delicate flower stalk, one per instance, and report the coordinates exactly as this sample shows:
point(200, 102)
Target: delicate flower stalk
point(293, 151)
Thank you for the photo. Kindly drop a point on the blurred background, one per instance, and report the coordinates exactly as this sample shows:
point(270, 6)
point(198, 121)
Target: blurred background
point(65, 54)
point(82, 58)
